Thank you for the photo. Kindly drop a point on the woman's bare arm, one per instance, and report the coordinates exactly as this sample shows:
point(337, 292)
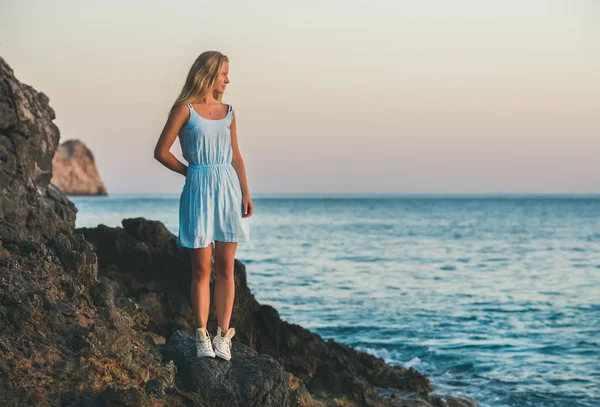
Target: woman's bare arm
point(237, 161)
point(162, 152)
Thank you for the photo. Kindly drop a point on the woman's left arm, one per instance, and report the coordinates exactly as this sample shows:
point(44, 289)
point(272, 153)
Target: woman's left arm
point(238, 164)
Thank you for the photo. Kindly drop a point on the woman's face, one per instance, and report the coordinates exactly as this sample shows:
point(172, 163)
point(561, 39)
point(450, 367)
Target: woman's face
point(223, 79)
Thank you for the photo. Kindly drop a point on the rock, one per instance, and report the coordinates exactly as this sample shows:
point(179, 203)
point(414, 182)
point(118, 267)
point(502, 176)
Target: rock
point(53, 359)
point(74, 170)
point(248, 379)
point(145, 263)
point(47, 355)
point(432, 400)
point(155, 340)
point(28, 140)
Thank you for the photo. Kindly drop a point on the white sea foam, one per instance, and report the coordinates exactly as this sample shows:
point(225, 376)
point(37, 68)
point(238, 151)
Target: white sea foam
point(412, 363)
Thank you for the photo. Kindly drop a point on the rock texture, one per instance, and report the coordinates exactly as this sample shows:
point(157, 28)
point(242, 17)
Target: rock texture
point(145, 263)
point(65, 339)
point(248, 379)
point(74, 170)
point(101, 317)
point(28, 140)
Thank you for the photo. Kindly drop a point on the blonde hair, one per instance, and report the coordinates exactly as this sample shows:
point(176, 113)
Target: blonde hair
point(202, 77)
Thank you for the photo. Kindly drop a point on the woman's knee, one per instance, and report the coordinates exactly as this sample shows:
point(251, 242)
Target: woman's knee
point(201, 272)
point(224, 267)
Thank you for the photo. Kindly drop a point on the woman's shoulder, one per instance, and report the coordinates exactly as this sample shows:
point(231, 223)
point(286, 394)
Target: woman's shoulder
point(180, 113)
point(180, 107)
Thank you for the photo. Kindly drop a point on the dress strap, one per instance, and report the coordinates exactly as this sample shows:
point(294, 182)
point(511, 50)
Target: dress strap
point(230, 109)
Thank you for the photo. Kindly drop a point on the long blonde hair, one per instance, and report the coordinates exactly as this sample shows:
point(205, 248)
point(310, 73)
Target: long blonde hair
point(202, 77)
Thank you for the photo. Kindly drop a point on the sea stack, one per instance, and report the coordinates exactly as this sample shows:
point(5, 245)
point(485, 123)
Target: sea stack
point(74, 170)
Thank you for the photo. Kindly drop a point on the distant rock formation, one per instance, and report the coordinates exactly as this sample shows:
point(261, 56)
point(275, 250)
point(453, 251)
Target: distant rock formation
point(74, 170)
point(28, 140)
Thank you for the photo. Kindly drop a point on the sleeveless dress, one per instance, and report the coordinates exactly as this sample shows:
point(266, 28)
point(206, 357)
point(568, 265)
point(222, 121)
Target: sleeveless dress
point(210, 204)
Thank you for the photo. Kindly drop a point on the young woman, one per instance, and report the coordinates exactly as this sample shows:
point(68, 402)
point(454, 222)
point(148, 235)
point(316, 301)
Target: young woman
point(215, 200)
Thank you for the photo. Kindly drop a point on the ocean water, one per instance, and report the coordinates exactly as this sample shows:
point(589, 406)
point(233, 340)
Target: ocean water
point(493, 297)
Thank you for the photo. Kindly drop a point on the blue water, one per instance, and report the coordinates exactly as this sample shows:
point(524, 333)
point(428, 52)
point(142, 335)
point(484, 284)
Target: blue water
point(493, 297)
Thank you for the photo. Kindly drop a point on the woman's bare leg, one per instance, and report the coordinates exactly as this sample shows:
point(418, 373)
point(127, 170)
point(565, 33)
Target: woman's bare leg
point(200, 290)
point(224, 284)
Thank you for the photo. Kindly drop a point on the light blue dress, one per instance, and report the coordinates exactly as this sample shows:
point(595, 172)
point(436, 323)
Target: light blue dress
point(210, 205)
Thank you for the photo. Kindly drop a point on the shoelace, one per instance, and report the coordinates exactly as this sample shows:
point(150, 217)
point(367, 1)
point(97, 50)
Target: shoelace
point(204, 344)
point(226, 340)
point(227, 336)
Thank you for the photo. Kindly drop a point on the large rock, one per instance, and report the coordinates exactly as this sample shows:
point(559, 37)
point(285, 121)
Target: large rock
point(68, 337)
point(74, 170)
point(28, 140)
point(64, 337)
point(146, 264)
point(248, 379)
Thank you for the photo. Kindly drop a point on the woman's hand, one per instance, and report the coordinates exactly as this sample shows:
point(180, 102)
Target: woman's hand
point(247, 206)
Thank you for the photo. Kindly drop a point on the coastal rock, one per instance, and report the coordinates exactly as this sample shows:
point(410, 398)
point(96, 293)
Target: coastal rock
point(248, 379)
point(63, 338)
point(145, 263)
point(68, 338)
point(74, 170)
point(28, 140)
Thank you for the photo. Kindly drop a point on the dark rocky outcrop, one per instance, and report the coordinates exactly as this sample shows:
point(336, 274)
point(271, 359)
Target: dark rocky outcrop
point(101, 317)
point(67, 337)
point(249, 377)
point(28, 140)
point(74, 170)
point(63, 337)
point(145, 262)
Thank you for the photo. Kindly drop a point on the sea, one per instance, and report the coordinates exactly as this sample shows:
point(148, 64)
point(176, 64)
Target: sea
point(492, 296)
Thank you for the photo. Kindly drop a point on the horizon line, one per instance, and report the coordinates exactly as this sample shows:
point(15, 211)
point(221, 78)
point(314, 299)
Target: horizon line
point(347, 195)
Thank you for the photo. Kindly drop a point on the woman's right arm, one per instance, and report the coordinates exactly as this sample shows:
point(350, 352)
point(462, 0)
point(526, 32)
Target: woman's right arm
point(162, 151)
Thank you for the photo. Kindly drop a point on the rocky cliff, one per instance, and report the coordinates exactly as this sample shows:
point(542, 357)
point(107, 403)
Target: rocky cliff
point(28, 140)
point(74, 170)
point(100, 316)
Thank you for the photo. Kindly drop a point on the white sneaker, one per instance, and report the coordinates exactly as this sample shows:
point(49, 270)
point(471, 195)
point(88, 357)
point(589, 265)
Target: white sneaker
point(223, 343)
point(203, 344)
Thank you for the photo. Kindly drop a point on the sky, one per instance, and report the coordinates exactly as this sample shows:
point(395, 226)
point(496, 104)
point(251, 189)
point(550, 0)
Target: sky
point(461, 97)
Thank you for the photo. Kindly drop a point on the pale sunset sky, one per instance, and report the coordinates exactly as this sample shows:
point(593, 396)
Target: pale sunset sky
point(331, 96)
